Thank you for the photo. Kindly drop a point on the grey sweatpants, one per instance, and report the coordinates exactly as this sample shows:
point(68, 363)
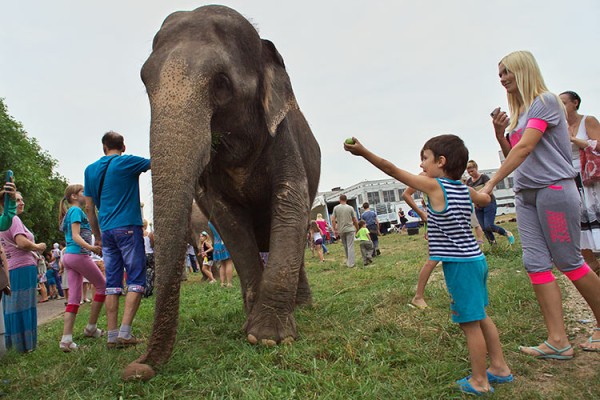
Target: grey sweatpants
point(348, 243)
point(549, 225)
point(366, 251)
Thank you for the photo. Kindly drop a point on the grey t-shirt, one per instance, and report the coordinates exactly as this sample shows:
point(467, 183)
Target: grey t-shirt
point(344, 215)
point(550, 160)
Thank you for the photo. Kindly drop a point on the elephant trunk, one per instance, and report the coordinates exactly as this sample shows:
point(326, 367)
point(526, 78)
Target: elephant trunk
point(180, 146)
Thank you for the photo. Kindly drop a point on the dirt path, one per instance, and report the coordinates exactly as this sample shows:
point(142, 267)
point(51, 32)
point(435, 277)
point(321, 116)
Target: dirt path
point(579, 318)
point(50, 310)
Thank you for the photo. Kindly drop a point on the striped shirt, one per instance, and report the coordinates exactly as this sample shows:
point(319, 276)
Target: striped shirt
point(449, 230)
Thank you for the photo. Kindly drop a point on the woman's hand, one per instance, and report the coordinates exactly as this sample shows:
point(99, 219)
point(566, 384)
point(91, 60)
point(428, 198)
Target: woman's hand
point(41, 247)
point(582, 144)
point(500, 121)
point(9, 188)
point(96, 250)
point(487, 189)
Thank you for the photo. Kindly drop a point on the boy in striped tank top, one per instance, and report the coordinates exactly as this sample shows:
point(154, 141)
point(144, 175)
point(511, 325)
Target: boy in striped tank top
point(449, 205)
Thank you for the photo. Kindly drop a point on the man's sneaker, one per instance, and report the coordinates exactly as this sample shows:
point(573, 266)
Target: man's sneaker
point(510, 237)
point(132, 341)
point(67, 347)
point(96, 333)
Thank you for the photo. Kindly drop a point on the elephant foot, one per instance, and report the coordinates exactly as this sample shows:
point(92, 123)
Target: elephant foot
point(138, 372)
point(303, 297)
point(268, 328)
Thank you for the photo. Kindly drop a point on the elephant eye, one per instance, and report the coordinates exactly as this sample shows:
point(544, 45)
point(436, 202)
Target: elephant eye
point(222, 89)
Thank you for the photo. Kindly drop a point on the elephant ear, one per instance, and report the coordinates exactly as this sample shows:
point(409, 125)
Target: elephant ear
point(277, 94)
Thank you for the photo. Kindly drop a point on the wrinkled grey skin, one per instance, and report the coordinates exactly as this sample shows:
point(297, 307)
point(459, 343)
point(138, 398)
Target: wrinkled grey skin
point(226, 131)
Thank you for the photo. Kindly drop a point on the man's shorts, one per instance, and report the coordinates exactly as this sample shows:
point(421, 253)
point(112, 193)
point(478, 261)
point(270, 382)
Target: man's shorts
point(467, 285)
point(123, 249)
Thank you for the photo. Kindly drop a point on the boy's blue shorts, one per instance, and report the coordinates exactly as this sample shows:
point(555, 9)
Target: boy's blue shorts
point(467, 286)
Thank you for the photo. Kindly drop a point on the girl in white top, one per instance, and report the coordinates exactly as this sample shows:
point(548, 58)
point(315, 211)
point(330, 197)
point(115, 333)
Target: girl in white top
point(317, 239)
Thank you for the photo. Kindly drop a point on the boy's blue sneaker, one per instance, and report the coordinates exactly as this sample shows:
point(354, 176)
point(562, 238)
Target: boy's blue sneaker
point(510, 237)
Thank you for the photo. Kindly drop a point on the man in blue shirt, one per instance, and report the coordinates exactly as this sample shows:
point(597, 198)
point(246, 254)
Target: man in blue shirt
point(112, 187)
point(370, 217)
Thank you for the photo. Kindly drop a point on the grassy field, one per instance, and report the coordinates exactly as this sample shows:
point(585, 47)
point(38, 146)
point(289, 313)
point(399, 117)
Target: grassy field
point(359, 340)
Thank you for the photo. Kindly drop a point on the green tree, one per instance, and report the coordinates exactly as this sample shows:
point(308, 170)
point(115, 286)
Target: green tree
point(41, 186)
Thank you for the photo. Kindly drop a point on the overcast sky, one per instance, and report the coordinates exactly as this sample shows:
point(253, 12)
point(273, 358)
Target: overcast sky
point(392, 73)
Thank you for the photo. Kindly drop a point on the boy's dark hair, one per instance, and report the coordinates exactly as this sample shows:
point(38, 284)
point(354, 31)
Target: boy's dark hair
point(365, 205)
point(453, 149)
point(113, 141)
point(362, 223)
point(343, 197)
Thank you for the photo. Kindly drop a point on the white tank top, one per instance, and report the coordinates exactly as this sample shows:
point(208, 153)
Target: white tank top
point(317, 236)
point(147, 246)
point(581, 134)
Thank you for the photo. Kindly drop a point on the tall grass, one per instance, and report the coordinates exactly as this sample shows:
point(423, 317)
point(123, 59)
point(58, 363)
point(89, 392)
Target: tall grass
point(358, 340)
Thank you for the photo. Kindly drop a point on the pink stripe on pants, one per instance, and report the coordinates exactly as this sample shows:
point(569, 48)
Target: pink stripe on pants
point(79, 266)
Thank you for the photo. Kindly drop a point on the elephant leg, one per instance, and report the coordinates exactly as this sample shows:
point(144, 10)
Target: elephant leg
point(303, 293)
point(271, 320)
point(238, 235)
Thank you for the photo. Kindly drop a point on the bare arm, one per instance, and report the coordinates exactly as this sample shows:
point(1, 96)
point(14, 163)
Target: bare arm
point(419, 182)
point(515, 157)
point(407, 196)
point(25, 244)
point(76, 235)
point(90, 208)
point(592, 126)
point(355, 222)
point(333, 224)
point(479, 199)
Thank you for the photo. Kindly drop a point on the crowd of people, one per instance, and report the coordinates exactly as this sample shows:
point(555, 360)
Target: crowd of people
point(546, 142)
point(107, 252)
point(102, 225)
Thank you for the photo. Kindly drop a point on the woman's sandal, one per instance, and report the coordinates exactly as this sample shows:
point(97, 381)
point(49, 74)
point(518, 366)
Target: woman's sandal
point(93, 334)
point(557, 355)
point(67, 347)
point(590, 341)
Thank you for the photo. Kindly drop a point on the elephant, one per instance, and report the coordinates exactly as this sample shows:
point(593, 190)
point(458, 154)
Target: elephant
point(227, 132)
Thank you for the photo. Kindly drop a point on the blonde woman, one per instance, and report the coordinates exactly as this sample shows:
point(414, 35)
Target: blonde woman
point(538, 150)
point(584, 131)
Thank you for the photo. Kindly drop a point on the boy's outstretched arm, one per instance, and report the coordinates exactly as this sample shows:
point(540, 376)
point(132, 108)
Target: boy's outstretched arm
point(423, 183)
